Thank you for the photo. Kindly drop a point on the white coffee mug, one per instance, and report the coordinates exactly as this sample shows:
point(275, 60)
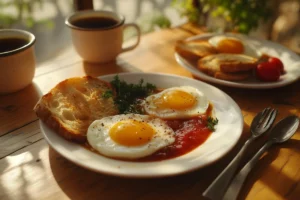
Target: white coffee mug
point(96, 40)
point(17, 60)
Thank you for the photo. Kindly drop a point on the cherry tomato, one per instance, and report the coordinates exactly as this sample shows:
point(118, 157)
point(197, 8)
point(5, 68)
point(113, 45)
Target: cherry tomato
point(277, 62)
point(267, 71)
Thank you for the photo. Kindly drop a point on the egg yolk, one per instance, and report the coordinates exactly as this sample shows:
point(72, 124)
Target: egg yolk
point(230, 46)
point(131, 133)
point(177, 100)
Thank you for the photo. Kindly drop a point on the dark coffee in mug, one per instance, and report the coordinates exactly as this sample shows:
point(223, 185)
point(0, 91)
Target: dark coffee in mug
point(95, 22)
point(9, 44)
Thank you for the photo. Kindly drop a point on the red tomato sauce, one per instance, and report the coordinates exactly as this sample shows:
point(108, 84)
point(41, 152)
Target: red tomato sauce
point(189, 134)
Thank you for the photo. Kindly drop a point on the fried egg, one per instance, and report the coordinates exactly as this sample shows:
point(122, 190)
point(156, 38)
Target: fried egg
point(225, 44)
point(129, 136)
point(176, 103)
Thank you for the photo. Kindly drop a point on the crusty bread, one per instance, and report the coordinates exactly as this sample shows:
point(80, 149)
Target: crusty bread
point(229, 62)
point(232, 76)
point(232, 67)
point(194, 49)
point(73, 104)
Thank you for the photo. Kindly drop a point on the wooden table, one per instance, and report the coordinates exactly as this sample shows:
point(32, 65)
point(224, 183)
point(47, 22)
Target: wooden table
point(30, 169)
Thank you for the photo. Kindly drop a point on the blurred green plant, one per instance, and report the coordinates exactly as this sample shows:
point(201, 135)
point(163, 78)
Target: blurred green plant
point(23, 14)
point(187, 8)
point(241, 15)
point(148, 23)
point(161, 21)
point(152, 21)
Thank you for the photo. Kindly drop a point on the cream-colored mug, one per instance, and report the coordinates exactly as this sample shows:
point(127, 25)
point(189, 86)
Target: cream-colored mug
point(17, 60)
point(98, 35)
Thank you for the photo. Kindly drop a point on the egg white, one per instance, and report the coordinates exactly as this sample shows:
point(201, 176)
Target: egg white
point(200, 106)
point(249, 50)
point(98, 137)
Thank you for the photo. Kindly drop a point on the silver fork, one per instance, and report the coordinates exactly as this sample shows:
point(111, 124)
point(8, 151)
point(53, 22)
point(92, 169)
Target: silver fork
point(260, 124)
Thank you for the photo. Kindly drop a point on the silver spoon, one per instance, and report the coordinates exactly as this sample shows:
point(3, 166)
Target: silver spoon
point(280, 133)
point(260, 124)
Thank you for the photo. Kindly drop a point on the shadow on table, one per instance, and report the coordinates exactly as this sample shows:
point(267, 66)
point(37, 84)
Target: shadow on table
point(113, 67)
point(12, 106)
point(78, 183)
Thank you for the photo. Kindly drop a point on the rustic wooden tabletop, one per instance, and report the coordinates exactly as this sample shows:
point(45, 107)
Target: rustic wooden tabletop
point(30, 169)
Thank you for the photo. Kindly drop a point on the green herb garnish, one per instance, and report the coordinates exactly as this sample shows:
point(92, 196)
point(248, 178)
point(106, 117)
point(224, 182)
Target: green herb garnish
point(107, 94)
point(129, 95)
point(211, 122)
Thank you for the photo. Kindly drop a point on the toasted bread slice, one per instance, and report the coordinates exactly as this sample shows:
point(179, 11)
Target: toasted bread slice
point(73, 104)
point(217, 73)
point(194, 49)
point(232, 76)
point(228, 63)
point(232, 67)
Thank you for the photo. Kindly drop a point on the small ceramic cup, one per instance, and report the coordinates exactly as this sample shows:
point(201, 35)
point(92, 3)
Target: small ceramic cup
point(96, 40)
point(17, 60)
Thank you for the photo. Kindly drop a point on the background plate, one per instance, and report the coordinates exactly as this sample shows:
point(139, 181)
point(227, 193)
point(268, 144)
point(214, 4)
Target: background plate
point(290, 60)
point(218, 144)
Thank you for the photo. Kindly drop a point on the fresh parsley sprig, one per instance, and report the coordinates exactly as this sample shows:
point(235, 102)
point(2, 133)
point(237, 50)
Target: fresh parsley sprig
point(211, 122)
point(129, 95)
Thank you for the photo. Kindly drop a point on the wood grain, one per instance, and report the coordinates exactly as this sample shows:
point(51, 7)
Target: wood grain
point(20, 138)
point(31, 170)
point(16, 109)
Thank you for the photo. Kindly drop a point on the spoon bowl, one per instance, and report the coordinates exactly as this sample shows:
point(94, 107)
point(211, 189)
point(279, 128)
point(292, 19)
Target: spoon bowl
point(285, 129)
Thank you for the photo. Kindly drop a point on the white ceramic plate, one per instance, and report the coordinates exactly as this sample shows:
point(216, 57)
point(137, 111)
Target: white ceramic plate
point(217, 145)
point(290, 60)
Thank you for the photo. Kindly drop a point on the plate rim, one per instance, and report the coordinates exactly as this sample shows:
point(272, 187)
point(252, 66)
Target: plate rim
point(150, 175)
point(259, 85)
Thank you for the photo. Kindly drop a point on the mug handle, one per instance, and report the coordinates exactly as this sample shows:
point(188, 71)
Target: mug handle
point(138, 36)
